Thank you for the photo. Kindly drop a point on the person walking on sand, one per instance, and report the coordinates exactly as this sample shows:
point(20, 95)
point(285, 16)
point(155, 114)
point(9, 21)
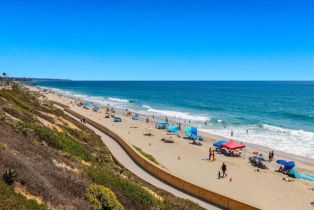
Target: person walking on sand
point(271, 156)
point(224, 169)
point(147, 120)
point(210, 153)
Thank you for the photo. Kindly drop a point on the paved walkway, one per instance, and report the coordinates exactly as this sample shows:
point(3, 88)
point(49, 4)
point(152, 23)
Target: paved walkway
point(119, 154)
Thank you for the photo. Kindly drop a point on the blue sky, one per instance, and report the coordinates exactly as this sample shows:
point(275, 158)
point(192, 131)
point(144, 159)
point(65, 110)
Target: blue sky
point(158, 40)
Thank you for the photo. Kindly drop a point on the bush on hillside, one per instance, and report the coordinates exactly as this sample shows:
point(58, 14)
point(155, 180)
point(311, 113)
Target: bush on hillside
point(102, 198)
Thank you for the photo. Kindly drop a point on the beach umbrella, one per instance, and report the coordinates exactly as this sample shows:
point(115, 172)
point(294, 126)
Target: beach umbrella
point(286, 164)
point(173, 128)
point(281, 162)
point(290, 165)
point(219, 143)
point(194, 130)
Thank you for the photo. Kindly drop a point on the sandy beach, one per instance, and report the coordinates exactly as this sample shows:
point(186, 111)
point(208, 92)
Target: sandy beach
point(264, 189)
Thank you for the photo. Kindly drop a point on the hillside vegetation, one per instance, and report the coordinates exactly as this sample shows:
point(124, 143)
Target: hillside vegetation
point(61, 164)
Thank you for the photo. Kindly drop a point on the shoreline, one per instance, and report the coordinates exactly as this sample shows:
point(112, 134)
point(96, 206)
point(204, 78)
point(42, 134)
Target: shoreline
point(253, 146)
point(183, 160)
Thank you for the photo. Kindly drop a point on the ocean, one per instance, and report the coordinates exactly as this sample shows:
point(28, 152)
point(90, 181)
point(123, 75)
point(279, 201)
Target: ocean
point(278, 115)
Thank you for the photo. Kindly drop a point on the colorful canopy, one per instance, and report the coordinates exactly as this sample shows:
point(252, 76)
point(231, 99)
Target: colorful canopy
point(173, 128)
point(286, 164)
point(219, 143)
point(232, 145)
point(191, 132)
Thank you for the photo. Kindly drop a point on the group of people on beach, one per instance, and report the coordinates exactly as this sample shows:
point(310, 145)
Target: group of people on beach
point(211, 154)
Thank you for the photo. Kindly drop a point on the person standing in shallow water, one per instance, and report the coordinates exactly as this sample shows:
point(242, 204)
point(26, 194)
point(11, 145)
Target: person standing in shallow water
point(224, 169)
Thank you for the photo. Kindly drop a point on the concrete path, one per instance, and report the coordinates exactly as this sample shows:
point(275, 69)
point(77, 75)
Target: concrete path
point(119, 154)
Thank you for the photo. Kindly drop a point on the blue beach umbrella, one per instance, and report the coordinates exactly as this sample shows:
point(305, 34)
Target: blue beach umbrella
point(194, 130)
point(219, 143)
point(173, 128)
point(287, 165)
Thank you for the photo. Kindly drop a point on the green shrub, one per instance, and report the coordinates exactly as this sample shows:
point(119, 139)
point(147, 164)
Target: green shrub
point(101, 198)
point(8, 176)
point(125, 190)
point(63, 142)
point(9, 199)
point(148, 156)
point(9, 95)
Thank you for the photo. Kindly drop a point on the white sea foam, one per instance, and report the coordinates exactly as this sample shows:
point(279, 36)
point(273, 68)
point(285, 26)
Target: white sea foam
point(99, 100)
point(295, 133)
point(118, 100)
point(296, 142)
point(146, 106)
point(176, 114)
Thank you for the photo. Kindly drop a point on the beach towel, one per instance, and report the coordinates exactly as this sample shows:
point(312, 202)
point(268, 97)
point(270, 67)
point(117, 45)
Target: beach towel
point(307, 177)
